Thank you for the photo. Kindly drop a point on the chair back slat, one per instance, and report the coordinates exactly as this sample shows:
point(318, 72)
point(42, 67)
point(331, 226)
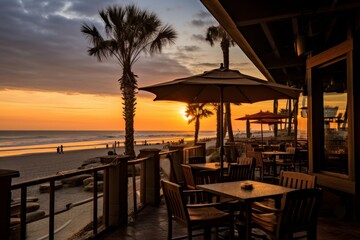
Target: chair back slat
point(176, 206)
point(299, 211)
point(207, 177)
point(248, 161)
point(188, 176)
point(257, 156)
point(297, 180)
point(239, 172)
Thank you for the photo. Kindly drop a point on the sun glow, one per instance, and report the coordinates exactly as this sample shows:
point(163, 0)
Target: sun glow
point(183, 114)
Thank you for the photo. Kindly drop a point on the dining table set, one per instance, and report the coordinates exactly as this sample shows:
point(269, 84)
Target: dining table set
point(246, 195)
point(245, 192)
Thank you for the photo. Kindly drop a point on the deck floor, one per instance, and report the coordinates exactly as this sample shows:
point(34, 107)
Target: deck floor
point(151, 224)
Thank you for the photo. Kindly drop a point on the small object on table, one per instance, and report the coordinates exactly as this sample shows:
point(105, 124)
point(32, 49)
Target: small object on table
point(246, 186)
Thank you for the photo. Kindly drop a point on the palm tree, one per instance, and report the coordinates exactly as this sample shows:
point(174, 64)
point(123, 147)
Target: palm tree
point(129, 32)
point(217, 33)
point(195, 112)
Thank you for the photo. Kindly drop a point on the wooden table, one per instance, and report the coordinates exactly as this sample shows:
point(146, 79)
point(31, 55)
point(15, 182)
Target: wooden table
point(272, 156)
point(233, 189)
point(208, 166)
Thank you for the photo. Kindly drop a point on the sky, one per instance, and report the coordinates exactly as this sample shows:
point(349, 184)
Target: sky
point(49, 82)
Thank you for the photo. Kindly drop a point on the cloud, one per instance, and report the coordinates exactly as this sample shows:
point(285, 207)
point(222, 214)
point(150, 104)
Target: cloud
point(42, 48)
point(204, 14)
point(192, 48)
point(203, 19)
point(198, 37)
point(207, 65)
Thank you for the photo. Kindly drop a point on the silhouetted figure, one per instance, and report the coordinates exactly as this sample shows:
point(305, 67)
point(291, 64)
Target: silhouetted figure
point(107, 145)
point(58, 150)
point(61, 149)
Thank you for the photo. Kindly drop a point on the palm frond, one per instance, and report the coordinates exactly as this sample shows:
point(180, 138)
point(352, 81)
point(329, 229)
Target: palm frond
point(166, 36)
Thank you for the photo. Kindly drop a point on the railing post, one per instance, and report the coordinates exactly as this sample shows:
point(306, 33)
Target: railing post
point(118, 192)
point(152, 173)
point(5, 200)
point(177, 160)
point(202, 150)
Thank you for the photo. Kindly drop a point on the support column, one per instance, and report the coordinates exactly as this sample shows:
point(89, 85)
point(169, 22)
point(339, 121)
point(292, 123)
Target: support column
point(152, 175)
point(5, 200)
point(118, 192)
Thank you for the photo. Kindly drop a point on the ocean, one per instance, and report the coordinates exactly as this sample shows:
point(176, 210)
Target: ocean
point(24, 142)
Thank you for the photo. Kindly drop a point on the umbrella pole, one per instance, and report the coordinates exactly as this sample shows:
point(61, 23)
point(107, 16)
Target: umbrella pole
point(221, 134)
point(262, 136)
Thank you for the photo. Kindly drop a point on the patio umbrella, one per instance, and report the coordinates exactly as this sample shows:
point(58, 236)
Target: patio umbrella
point(263, 117)
point(219, 86)
point(268, 121)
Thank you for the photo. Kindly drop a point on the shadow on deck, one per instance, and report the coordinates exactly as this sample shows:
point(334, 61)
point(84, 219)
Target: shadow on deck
point(151, 224)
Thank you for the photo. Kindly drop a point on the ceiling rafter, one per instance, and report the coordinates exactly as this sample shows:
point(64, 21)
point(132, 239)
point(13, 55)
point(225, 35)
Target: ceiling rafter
point(295, 14)
point(272, 42)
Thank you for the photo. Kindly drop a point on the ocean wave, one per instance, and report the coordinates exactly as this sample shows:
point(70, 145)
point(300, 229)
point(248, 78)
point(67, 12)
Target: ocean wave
point(31, 138)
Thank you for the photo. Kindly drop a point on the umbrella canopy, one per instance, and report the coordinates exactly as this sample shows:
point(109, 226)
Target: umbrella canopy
point(234, 87)
point(268, 121)
point(262, 115)
point(219, 86)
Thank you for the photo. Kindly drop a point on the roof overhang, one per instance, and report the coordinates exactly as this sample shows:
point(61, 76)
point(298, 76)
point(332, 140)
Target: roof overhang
point(278, 36)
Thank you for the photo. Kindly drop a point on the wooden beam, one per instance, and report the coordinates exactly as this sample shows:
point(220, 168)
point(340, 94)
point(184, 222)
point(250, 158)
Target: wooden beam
point(217, 10)
point(284, 63)
point(272, 42)
point(267, 15)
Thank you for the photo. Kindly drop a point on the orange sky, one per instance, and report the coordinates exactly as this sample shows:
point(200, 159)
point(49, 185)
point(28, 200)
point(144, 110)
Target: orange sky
point(33, 110)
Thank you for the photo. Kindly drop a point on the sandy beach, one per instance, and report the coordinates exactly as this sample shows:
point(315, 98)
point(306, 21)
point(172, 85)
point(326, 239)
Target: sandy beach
point(44, 164)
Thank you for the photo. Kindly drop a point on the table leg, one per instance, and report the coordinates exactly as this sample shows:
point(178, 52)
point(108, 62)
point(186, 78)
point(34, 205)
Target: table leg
point(273, 158)
point(247, 220)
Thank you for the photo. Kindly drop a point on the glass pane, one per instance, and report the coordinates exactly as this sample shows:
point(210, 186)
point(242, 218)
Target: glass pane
point(334, 89)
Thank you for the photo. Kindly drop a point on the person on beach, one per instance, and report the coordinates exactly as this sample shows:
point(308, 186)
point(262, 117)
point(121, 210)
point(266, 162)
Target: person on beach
point(61, 149)
point(58, 149)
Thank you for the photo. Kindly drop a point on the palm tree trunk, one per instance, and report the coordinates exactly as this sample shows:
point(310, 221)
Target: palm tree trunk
point(128, 88)
point(218, 125)
point(229, 124)
point(197, 128)
point(290, 118)
point(275, 108)
point(225, 45)
point(248, 133)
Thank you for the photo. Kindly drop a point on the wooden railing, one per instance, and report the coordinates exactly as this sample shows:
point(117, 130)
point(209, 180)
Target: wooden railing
point(23, 186)
point(115, 190)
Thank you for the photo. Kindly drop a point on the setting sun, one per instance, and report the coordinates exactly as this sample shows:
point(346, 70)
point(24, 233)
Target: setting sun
point(183, 113)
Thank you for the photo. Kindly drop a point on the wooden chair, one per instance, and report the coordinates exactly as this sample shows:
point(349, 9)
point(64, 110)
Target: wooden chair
point(248, 161)
point(193, 217)
point(294, 180)
point(207, 176)
point(298, 213)
point(176, 173)
point(287, 162)
point(188, 177)
point(261, 164)
point(237, 172)
point(202, 177)
point(297, 180)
